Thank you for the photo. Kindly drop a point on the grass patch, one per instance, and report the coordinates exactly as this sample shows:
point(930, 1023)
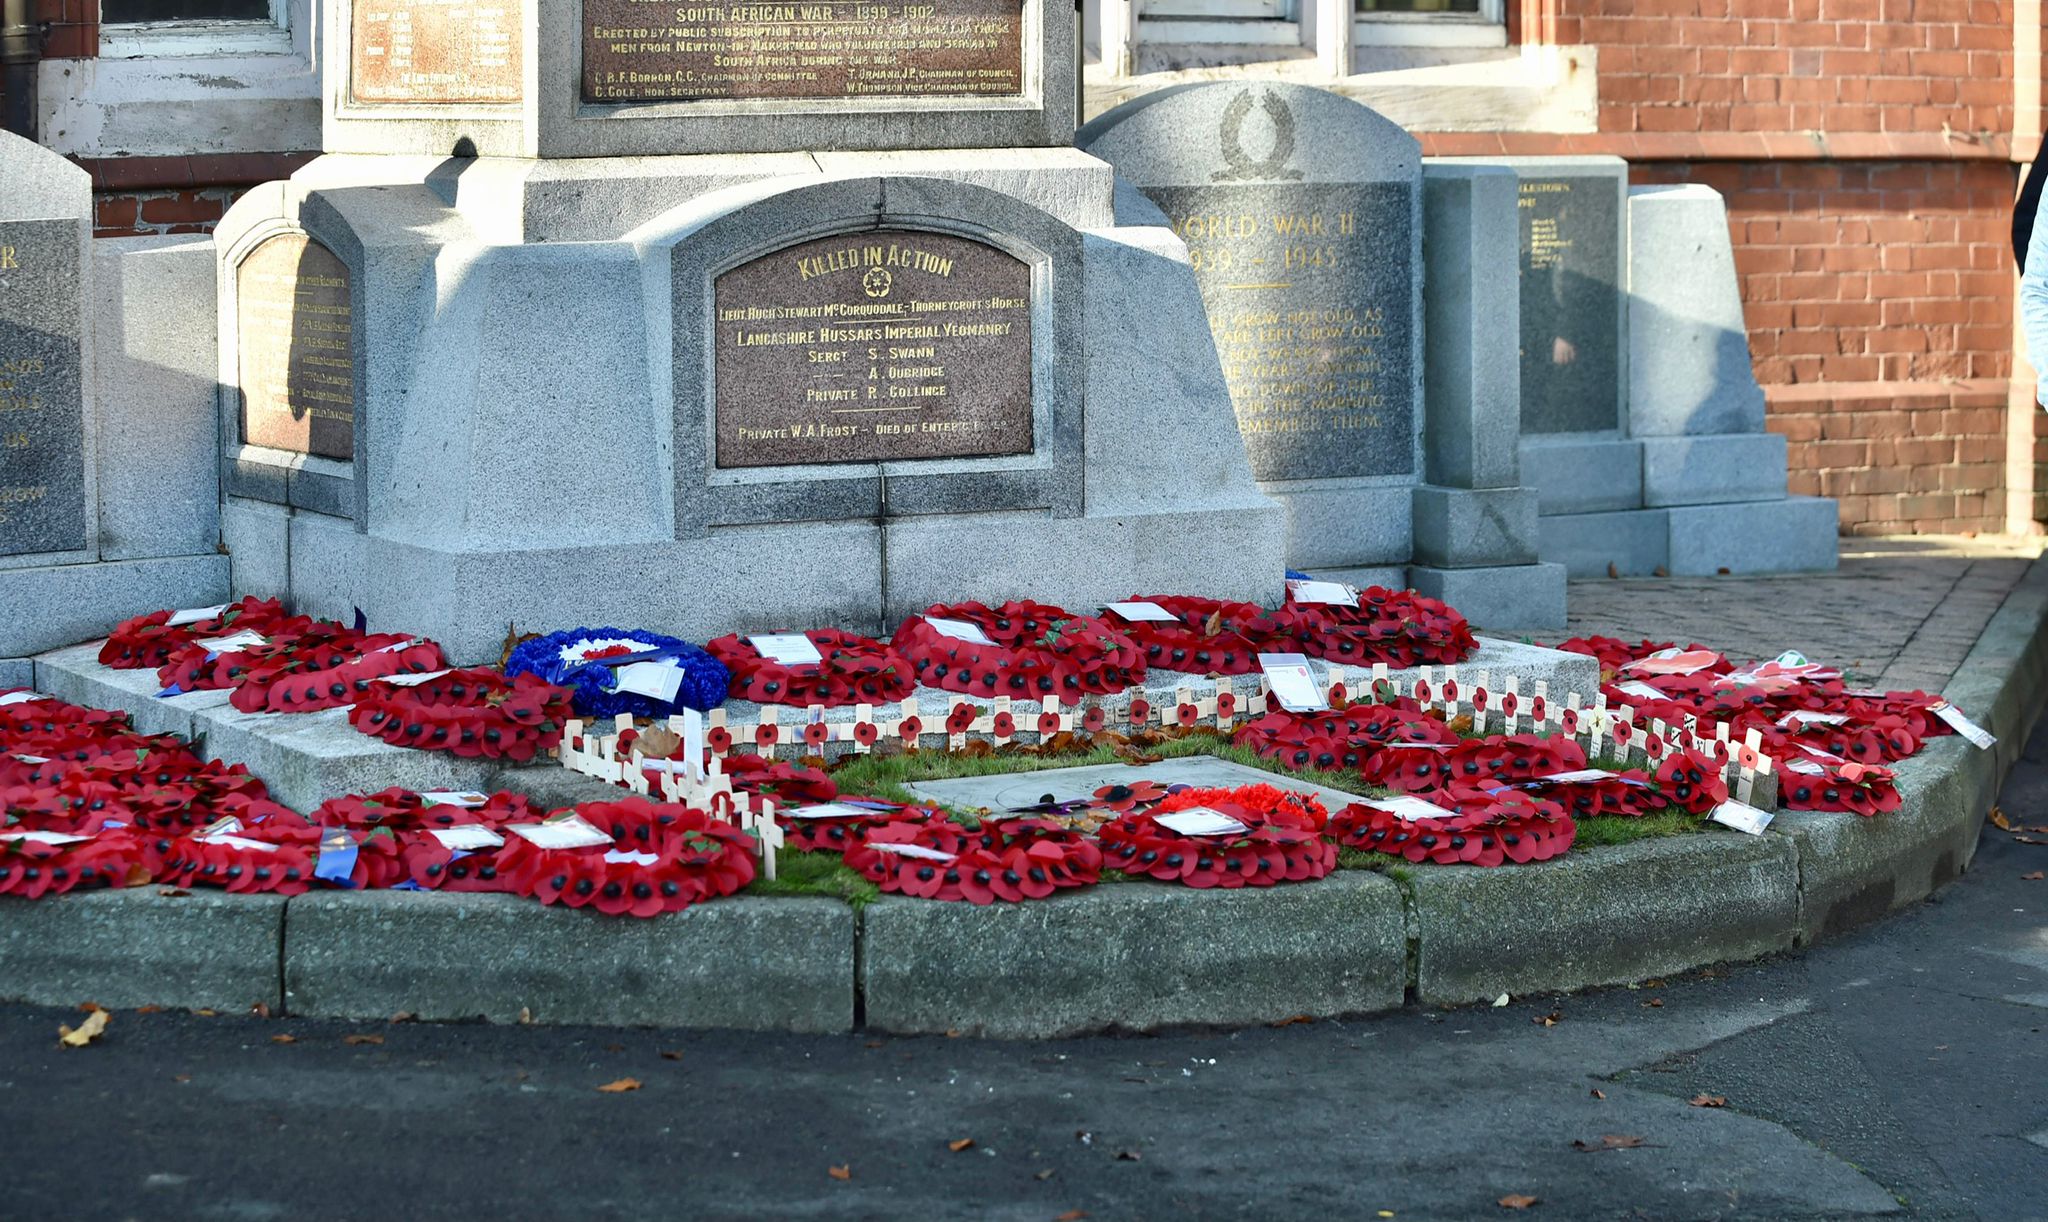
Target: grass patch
point(1620, 829)
point(823, 874)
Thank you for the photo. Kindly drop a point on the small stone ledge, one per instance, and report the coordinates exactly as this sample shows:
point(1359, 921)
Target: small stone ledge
point(1606, 915)
point(746, 963)
point(204, 950)
point(1135, 955)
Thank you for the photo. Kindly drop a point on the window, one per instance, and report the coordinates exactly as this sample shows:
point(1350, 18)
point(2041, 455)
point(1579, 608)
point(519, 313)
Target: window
point(116, 12)
point(1431, 23)
point(142, 29)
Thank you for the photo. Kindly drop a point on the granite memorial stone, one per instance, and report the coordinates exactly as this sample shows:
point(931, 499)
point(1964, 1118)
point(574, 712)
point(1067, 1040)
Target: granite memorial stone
point(1301, 210)
point(1574, 322)
point(295, 341)
point(43, 458)
point(878, 346)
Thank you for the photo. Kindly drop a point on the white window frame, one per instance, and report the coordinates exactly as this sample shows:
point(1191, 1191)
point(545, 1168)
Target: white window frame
point(165, 39)
point(1486, 28)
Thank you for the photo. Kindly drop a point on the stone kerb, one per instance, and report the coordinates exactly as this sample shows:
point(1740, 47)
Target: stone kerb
point(688, 253)
point(612, 78)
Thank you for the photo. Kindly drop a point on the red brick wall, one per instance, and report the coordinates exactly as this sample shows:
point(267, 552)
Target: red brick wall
point(120, 214)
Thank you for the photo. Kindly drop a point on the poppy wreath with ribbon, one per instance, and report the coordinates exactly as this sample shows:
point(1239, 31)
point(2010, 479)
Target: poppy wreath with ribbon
point(663, 857)
point(1280, 842)
point(278, 860)
point(148, 641)
point(406, 810)
point(1627, 794)
point(51, 727)
point(1481, 765)
point(30, 869)
point(298, 685)
point(1039, 651)
point(855, 670)
point(75, 804)
point(1488, 831)
point(584, 660)
point(841, 832)
point(1612, 652)
point(1208, 637)
point(1007, 860)
point(432, 866)
point(155, 787)
point(1342, 739)
point(1398, 627)
point(1845, 787)
point(476, 714)
point(300, 642)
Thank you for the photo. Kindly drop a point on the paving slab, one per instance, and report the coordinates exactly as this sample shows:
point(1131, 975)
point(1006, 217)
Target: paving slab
point(747, 963)
point(1135, 956)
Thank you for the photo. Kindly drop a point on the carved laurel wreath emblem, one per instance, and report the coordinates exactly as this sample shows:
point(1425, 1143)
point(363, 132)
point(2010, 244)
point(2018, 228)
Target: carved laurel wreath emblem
point(1238, 165)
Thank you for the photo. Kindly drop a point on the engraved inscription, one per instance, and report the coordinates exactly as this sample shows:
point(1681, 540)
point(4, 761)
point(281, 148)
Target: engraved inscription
point(660, 50)
point(1571, 305)
point(1305, 287)
point(874, 346)
point(435, 52)
point(295, 335)
point(42, 411)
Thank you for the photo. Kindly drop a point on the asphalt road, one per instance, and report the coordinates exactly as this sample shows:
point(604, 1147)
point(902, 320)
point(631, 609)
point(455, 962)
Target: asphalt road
point(1895, 1072)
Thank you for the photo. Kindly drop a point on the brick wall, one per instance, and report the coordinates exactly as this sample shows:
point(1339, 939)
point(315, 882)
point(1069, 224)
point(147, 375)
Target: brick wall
point(1866, 149)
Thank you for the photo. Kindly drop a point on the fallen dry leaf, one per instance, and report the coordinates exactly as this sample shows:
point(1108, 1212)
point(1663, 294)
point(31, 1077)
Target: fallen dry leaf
point(362, 1039)
point(840, 1173)
point(672, 1054)
point(284, 1039)
point(181, 1077)
point(206, 1013)
point(1655, 1003)
point(260, 1009)
point(149, 1009)
point(1129, 1156)
point(1548, 1020)
point(1598, 1093)
point(1998, 819)
point(1709, 1101)
point(1516, 1200)
point(525, 1017)
point(405, 1016)
point(1072, 1215)
point(659, 742)
point(92, 1028)
point(619, 1087)
point(959, 1144)
point(2036, 876)
point(1042, 1175)
point(2028, 839)
point(952, 1033)
point(1613, 570)
point(1609, 1141)
point(172, 892)
point(1289, 1022)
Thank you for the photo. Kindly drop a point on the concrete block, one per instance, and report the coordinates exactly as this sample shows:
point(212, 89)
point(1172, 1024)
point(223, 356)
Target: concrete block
point(257, 537)
point(1854, 870)
point(1689, 364)
point(1794, 535)
point(64, 604)
point(1713, 470)
point(1457, 528)
point(1511, 596)
point(75, 674)
point(1583, 474)
point(307, 758)
point(1347, 526)
point(154, 364)
point(1608, 915)
point(748, 963)
point(1637, 542)
point(1385, 576)
point(17, 672)
point(1472, 381)
point(1134, 956)
point(137, 947)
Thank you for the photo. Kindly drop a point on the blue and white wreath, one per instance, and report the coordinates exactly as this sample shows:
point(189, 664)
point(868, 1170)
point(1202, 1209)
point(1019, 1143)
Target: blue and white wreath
point(589, 662)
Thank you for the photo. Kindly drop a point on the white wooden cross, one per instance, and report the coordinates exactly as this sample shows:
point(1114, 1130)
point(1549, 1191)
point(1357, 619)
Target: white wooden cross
point(770, 835)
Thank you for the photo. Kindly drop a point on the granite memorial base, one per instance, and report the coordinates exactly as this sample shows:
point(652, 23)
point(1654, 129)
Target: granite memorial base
point(1794, 534)
point(108, 492)
point(829, 397)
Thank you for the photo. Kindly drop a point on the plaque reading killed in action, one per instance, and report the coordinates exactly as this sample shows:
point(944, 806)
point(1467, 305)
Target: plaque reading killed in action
point(870, 347)
point(1307, 287)
point(1571, 304)
point(294, 332)
point(435, 52)
point(643, 51)
point(42, 407)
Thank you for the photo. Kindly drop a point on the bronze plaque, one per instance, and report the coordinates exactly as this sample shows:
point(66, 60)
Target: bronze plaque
point(644, 51)
point(435, 52)
point(871, 347)
point(294, 335)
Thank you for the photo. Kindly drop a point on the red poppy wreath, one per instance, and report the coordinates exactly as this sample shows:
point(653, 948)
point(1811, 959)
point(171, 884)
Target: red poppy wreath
point(474, 713)
point(851, 669)
point(1206, 636)
point(1485, 831)
point(1011, 860)
point(1253, 836)
point(1024, 650)
point(650, 858)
